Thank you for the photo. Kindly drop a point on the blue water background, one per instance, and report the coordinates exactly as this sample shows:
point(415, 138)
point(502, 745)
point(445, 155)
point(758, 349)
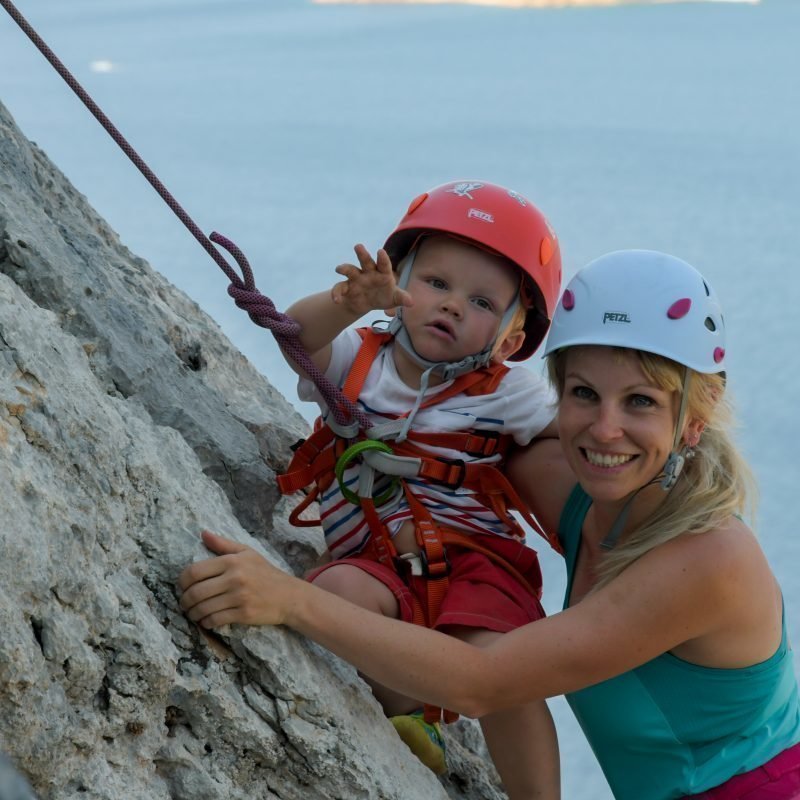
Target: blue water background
point(299, 129)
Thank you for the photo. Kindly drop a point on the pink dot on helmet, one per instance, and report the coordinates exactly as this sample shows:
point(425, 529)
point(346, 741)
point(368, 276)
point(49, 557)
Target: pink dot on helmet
point(719, 354)
point(680, 308)
point(568, 300)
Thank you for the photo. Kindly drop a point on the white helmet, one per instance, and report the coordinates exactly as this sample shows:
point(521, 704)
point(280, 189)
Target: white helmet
point(643, 300)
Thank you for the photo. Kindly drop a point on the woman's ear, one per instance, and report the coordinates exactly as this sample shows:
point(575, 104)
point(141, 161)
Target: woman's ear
point(693, 431)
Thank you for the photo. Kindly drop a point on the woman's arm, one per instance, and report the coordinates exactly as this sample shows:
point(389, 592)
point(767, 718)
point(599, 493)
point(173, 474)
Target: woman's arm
point(684, 590)
point(540, 474)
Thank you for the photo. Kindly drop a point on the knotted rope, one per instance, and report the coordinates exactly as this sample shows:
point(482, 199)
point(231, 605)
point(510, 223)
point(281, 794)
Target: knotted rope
point(244, 292)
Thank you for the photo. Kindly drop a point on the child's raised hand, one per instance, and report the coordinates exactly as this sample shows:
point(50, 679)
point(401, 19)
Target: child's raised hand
point(370, 286)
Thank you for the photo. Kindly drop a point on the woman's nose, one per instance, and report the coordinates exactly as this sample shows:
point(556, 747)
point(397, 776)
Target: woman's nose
point(607, 424)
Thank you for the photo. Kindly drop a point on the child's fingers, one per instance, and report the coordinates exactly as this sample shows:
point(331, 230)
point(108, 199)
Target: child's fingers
point(348, 270)
point(384, 263)
point(339, 291)
point(366, 261)
point(402, 298)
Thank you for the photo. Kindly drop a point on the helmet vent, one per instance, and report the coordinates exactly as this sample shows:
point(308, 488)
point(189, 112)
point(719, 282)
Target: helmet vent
point(417, 202)
point(680, 308)
point(708, 291)
point(709, 323)
point(568, 300)
point(546, 250)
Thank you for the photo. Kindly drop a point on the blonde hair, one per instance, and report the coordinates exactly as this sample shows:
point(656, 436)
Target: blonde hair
point(714, 485)
point(515, 324)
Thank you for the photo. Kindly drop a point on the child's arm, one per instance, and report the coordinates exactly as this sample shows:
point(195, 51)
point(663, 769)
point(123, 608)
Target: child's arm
point(323, 316)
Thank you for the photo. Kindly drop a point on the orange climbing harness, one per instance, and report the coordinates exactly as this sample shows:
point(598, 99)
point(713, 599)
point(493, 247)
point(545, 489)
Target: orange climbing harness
point(322, 458)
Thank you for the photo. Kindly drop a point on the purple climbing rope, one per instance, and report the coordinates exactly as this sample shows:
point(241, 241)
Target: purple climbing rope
point(244, 292)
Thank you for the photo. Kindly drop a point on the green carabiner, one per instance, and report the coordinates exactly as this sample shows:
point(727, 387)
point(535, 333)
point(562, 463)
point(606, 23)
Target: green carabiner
point(344, 461)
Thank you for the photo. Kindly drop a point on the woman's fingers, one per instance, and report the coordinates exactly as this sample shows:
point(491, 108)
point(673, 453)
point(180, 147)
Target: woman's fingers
point(200, 571)
point(220, 545)
point(203, 589)
point(208, 597)
point(238, 585)
point(220, 618)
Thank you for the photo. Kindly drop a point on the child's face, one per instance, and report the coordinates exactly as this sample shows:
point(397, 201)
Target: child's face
point(460, 295)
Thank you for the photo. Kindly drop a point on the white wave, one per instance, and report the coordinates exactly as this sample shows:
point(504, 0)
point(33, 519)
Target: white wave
point(102, 65)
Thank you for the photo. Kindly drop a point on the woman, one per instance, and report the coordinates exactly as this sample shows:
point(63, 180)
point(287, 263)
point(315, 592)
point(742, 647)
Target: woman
point(672, 645)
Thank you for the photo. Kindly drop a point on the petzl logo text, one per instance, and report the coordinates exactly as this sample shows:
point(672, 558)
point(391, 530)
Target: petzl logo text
point(476, 213)
point(615, 316)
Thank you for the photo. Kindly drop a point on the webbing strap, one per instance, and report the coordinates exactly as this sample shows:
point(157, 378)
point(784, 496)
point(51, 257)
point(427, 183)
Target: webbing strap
point(480, 444)
point(486, 378)
point(381, 543)
point(294, 517)
point(455, 538)
point(304, 473)
point(437, 582)
point(371, 343)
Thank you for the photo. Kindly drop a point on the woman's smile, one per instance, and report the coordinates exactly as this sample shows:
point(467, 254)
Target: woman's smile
point(606, 460)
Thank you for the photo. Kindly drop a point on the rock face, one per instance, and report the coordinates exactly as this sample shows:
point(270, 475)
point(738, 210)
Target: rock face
point(127, 423)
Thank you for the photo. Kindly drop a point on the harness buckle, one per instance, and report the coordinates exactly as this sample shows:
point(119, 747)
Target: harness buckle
point(487, 444)
point(435, 572)
point(419, 566)
point(412, 561)
point(452, 477)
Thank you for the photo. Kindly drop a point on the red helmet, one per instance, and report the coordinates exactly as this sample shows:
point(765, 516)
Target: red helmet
point(501, 221)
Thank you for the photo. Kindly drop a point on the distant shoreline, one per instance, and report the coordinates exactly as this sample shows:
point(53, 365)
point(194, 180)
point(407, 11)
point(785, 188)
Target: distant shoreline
point(527, 3)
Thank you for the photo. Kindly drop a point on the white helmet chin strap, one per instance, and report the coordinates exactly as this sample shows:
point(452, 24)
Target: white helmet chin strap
point(669, 475)
point(677, 458)
point(448, 370)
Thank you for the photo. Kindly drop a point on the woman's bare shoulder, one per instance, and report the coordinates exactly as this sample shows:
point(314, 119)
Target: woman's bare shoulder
point(727, 579)
point(730, 546)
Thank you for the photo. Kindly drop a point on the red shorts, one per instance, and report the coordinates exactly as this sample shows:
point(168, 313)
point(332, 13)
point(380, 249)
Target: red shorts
point(778, 779)
point(480, 593)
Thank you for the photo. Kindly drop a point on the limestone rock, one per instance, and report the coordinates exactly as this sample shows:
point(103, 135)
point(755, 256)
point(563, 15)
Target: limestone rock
point(128, 422)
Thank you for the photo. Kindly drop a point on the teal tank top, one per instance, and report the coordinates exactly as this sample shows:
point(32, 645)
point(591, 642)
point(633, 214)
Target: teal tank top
point(670, 728)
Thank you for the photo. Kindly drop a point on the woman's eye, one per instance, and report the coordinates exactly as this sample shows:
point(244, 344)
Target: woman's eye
point(642, 401)
point(583, 392)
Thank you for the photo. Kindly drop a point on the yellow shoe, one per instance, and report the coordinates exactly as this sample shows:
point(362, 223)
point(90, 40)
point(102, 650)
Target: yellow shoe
point(424, 739)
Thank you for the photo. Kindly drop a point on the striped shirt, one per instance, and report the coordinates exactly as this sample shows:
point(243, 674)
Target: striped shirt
point(522, 406)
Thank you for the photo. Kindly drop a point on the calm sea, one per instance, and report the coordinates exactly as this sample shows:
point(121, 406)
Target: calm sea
point(299, 129)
